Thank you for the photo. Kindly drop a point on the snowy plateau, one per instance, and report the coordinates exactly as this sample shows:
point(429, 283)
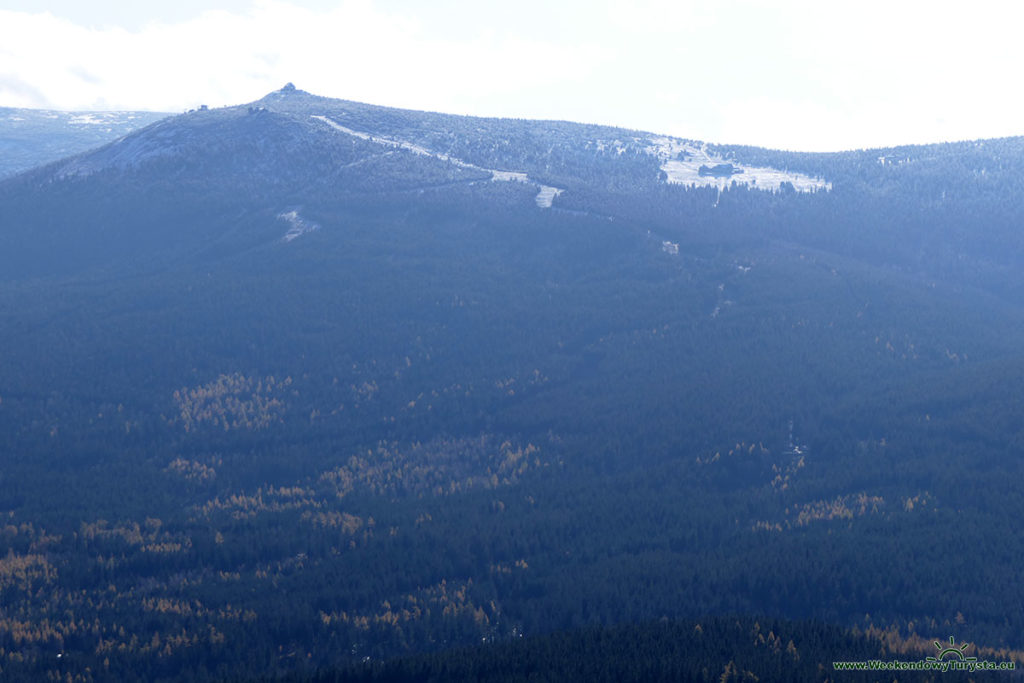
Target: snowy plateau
point(682, 162)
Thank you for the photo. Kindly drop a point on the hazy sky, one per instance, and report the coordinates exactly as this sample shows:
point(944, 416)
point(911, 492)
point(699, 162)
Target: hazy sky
point(814, 75)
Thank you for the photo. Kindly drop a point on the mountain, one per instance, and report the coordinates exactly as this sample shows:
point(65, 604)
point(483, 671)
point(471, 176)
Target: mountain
point(306, 148)
point(32, 137)
point(306, 381)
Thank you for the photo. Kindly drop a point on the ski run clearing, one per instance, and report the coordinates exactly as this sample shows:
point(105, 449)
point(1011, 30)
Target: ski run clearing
point(545, 195)
point(681, 162)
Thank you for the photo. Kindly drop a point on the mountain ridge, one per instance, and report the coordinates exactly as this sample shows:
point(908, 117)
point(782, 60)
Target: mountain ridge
point(434, 132)
point(33, 137)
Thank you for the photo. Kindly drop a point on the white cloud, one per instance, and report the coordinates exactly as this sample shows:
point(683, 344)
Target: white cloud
point(798, 74)
point(354, 51)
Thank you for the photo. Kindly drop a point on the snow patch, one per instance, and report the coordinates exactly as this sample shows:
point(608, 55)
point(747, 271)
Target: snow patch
point(510, 176)
point(547, 195)
point(400, 144)
point(683, 159)
point(86, 120)
point(298, 225)
point(337, 126)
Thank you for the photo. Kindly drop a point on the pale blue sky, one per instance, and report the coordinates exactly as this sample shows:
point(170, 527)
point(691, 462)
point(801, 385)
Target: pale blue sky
point(795, 74)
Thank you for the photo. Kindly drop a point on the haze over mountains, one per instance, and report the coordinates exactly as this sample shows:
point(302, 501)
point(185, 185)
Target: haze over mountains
point(305, 381)
point(32, 137)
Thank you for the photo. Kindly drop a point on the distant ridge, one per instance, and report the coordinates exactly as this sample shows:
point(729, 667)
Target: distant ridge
point(32, 137)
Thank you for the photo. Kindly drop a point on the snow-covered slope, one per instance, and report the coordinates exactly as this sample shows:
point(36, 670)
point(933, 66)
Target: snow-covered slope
point(687, 163)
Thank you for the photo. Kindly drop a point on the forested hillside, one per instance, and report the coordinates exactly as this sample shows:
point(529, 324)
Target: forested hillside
point(303, 382)
point(716, 649)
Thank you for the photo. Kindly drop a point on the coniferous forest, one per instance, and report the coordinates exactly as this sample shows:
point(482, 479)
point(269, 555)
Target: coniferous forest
point(325, 391)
